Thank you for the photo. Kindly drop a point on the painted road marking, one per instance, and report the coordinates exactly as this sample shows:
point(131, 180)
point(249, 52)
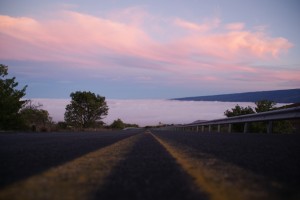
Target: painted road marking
point(82, 177)
point(77, 179)
point(222, 181)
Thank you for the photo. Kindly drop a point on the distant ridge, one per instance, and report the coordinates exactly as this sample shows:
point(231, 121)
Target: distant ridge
point(278, 96)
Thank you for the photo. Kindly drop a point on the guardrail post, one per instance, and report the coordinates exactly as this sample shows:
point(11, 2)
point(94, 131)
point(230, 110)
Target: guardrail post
point(246, 126)
point(270, 127)
point(229, 128)
point(246, 120)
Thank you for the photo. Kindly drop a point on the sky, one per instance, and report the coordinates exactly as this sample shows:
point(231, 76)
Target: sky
point(146, 49)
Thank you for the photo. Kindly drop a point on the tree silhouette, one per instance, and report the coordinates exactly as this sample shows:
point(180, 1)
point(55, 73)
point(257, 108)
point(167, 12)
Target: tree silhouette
point(10, 101)
point(85, 109)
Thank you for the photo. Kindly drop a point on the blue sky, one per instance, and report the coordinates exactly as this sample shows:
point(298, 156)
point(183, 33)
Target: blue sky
point(150, 49)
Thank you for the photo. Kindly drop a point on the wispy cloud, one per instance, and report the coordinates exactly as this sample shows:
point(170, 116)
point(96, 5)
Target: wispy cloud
point(119, 41)
point(235, 26)
point(74, 32)
point(204, 27)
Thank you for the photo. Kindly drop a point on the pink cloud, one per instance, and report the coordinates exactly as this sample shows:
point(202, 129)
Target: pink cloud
point(81, 34)
point(208, 25)
point(235, 26)
point(282, 75)
point(236, 45)
point(261, 75)
point(76, 34)
point(97, 42)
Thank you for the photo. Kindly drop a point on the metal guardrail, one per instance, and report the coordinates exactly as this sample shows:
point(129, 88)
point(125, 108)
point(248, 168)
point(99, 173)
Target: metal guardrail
point(269, 116)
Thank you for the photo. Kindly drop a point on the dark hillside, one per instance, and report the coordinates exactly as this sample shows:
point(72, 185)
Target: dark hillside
point(278, 96)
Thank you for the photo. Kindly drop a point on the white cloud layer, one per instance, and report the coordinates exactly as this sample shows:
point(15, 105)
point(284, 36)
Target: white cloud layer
point(151, 112)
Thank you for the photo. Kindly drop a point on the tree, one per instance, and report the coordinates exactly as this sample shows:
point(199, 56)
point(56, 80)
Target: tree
point(36, 118)
point(264, 105)
point(259, 127)
point(278, 126)
point(61, 125)
point(10, 101)
point(85, 109)
point(238, 110)
point(117, 124)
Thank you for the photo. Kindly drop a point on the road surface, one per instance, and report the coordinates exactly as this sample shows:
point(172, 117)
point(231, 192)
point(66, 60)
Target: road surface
point(149, 165)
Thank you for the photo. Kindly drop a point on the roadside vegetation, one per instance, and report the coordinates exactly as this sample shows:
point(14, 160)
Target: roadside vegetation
point(10, 101)
point(260, 127)
point(86, 110)
point(84, 113)
point(119, 124)
point(35, 118)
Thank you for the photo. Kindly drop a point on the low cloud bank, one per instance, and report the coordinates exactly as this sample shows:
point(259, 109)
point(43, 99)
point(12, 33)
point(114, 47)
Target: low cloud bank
point(150, 112)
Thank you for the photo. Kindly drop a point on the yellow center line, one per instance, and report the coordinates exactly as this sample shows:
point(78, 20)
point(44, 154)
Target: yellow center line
point(220, 180)
point(77, 179)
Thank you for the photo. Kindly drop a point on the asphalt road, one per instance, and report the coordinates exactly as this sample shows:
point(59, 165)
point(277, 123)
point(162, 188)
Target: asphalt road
point(158, 165)
point(149, 172)
point(25, 154)
point(276, 156)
